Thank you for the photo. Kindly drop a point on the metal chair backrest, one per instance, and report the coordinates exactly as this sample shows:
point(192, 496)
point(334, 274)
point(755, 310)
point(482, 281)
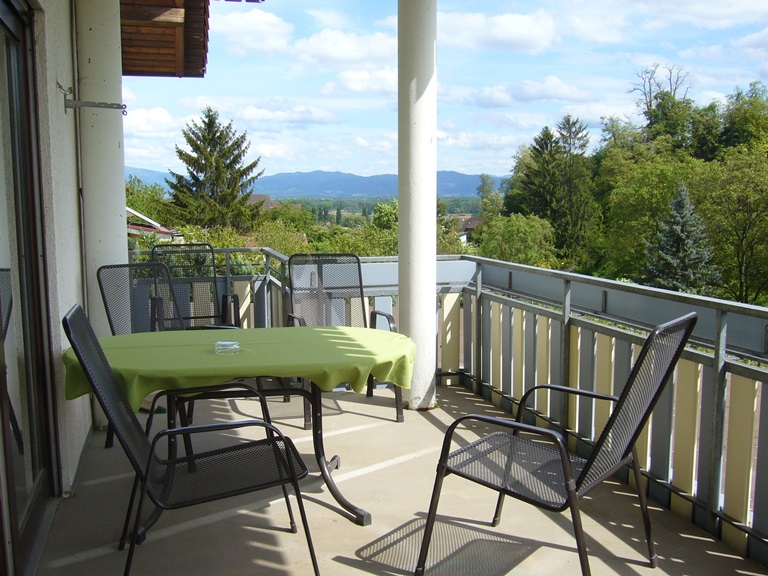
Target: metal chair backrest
point(327, 289)
point(6, 301)
point(650, 373)
point(193, 274)
point(139, 297)
point(106, 387)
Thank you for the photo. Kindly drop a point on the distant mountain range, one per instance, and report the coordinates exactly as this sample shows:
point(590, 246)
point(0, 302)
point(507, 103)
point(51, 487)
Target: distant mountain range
point(321, 184)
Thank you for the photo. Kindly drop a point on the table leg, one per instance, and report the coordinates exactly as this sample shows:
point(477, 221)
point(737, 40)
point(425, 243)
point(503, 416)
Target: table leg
point(360, 516)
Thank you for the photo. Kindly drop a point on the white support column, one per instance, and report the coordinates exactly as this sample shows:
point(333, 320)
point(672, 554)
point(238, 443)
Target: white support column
point(417, 189)
point(100, 79)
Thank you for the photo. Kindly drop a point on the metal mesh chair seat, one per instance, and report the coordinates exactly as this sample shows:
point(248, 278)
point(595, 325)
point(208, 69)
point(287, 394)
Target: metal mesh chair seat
point(528, 469)
point(538, 468)
point(236, 466)
point(223, 472)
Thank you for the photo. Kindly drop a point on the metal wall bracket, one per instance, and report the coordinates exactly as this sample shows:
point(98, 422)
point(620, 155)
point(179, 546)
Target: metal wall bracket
point(72, 103)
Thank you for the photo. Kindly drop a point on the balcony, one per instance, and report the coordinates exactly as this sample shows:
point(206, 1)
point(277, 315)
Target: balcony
point(501, 329)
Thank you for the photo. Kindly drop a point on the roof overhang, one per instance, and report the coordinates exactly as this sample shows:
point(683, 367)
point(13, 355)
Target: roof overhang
point(165, 37)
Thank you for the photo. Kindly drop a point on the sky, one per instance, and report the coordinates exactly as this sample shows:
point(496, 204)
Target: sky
point(313, 83)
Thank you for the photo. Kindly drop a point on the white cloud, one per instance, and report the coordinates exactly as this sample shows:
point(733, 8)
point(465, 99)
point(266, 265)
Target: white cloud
point(754, 46)
point(528, 33)
point(551, 88)
point(329, 18)
point(292, 114)
point(338, 47)
point(714, 52)
point(151, 123)
point(382, 146)
point(707, 14)
point(253, 31)
point(477, 140)
point(383, 81)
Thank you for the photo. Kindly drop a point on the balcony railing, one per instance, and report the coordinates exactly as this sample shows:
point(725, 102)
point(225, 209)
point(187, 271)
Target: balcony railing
point(504, 328)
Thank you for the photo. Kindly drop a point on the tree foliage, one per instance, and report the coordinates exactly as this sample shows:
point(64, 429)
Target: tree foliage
point(680, 258)
point(217, 187)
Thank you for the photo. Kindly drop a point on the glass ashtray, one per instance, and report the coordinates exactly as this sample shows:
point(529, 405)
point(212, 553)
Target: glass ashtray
point(226, 347)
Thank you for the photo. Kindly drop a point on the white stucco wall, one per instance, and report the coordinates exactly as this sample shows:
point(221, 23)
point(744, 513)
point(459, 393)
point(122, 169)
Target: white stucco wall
point(59, 180)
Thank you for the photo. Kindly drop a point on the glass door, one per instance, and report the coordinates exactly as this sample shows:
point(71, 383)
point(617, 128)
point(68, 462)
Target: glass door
point(26, 394)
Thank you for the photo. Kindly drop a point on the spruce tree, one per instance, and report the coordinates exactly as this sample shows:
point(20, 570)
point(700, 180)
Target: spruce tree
point(216, 190)
point(680, 258)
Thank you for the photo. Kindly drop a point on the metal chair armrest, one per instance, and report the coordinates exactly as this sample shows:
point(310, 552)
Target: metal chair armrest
point(296, 320)
point(197, 391)
point(558, 388)
point(388, 317)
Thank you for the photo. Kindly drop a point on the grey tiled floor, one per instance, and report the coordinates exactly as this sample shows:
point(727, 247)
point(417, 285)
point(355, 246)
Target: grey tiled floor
point(388, 469)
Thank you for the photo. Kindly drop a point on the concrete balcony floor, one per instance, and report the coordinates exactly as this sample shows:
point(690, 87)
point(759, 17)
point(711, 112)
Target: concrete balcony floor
point(388, 469)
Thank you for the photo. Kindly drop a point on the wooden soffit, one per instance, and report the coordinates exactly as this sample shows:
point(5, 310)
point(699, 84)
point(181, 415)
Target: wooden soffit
point(164, 37)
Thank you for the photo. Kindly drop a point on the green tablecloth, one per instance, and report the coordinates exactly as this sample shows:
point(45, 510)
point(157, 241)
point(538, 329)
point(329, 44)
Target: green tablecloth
point(328, 356)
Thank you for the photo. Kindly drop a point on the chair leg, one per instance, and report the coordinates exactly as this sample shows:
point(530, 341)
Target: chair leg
point(305, 523)
point(399, 404)
point(127, 523)
point(369, 389)
point(497, 512)
point(578, 532)
point(428, 527)
point(110, 441)
point(652, 557)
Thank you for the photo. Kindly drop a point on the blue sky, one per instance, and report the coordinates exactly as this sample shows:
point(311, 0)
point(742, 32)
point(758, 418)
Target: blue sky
point(314, 83)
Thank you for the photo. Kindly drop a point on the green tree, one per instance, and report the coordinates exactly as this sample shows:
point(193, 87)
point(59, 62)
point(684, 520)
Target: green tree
point(576, 213)
point(517, 238)
point(150, 200)
point(217, 187)
point(745, 119)
point(537, 184)
point(734, 206)
point(385, 215)
point(680, 258)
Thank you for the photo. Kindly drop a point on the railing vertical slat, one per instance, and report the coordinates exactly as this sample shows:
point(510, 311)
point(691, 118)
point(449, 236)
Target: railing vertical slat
point(758, 549)
point(585, 422)
point(506, 352)
point(518, 356)
point(542, 364)
point(557, 402)
point(738, 471)
point(661, 437)
point(687, 392)
point(603, 380)
point(529, 366)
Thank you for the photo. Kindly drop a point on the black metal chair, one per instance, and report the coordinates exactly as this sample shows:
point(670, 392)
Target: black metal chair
point(139, 297)
point(238, 467)
point(198, 289)
point(327, 290)
point(533, 464)
point(6, 304)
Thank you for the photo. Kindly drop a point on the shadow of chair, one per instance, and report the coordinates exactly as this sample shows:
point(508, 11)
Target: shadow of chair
point(534, 465)
point(235, 466)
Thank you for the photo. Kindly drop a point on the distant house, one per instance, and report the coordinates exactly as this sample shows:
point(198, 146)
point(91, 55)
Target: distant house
point(464, 225)
point(263, 199)
point(140, 225)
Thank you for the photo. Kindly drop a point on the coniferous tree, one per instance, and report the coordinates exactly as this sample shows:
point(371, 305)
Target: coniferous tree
point(217, 187)
point(680, 258)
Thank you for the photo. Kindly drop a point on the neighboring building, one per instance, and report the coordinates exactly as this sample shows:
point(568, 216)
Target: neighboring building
point(140, 225)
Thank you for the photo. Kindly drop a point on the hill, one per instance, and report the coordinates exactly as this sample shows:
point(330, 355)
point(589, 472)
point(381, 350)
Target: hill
point(320, 184)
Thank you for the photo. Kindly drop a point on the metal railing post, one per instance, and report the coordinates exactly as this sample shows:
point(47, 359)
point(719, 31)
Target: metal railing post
point(718, 423)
